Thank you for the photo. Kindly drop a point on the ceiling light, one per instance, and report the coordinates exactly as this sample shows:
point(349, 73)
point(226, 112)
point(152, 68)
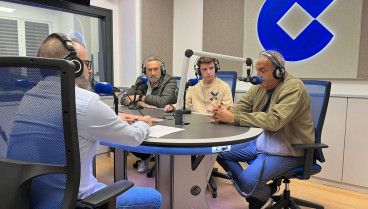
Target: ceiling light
point(5, 9)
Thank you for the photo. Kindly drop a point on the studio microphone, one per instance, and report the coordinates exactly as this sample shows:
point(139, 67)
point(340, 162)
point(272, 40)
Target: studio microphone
point(142, 80)
point(22, 83)
point(255, 80)
point(103, 88)
point(191, 82)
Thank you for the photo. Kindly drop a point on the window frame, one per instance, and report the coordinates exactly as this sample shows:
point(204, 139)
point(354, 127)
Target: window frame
point(105, 16)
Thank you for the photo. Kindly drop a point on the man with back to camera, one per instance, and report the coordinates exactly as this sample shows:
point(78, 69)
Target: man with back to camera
point(281, 106)
point(209, 90)
point(95, 121)
point(157, 92)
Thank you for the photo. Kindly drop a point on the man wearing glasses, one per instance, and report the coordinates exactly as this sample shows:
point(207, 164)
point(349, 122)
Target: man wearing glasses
point(96, 121)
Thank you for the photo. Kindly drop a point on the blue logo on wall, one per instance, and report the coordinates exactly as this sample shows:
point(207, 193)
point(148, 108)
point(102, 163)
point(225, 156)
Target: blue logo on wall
point(309, 42)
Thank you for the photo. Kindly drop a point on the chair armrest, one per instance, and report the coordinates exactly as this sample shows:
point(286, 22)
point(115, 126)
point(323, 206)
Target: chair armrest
point(308, 156)
point(108, 193)
point(310, 146)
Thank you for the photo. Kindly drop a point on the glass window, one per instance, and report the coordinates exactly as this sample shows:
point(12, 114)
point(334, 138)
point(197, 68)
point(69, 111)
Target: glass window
point(24, 27)
point(9, 37)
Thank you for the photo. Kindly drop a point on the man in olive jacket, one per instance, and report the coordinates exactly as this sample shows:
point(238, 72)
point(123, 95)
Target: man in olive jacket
point(160, 89)
point(280, 105)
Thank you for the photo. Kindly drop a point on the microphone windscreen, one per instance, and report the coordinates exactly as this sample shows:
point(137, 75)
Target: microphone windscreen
point(256, 80)
point(194, 81)
point(144, 79)
point(22, 83)
point(103, 88)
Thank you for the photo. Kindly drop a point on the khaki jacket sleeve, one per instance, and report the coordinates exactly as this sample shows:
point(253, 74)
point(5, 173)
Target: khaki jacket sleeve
point(283, 108)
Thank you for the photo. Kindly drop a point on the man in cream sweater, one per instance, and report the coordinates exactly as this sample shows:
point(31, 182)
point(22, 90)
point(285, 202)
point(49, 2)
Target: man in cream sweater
point(209, 90)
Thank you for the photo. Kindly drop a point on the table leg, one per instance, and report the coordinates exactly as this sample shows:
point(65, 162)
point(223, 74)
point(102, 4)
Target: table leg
point(179, 185)
point(120, 165)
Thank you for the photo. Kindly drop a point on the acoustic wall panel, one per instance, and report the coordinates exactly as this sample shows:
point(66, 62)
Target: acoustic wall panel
point(157, 30)
point(223, 30)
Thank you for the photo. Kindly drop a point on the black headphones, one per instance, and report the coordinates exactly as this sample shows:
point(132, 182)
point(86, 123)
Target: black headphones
point(279, 71)
point(162, 64)
point(72, 56)
point(198, 71)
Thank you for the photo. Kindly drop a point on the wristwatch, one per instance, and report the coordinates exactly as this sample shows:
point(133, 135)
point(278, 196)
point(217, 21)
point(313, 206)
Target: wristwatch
point(140, 98)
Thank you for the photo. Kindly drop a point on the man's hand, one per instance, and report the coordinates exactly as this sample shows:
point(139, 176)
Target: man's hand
point(126, 118)
point(146, 119)
point(143, 104)
point(221, 114)
point(129, 99)
point(168, 108)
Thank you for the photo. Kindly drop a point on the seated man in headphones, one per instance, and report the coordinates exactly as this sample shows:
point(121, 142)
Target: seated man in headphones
point(281, 106)
point(209, 90)
point(95, 121)
point(158, 91)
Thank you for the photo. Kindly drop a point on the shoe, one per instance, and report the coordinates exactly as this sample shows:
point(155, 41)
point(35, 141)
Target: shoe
point(255, 203)
point(143, 167)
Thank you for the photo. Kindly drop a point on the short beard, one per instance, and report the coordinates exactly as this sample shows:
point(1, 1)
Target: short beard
point(83, 81)
point(154, 80)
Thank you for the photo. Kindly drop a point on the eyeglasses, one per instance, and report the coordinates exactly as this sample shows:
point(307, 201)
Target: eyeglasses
point(88, 63)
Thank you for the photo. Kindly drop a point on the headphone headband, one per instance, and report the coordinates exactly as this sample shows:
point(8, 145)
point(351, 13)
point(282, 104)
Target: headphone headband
point(162, 64)
point(279, 70)
point(72, 56)
point(197, 68)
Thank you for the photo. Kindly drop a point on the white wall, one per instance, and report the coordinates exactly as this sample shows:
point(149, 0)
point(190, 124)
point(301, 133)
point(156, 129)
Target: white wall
point(188, 24)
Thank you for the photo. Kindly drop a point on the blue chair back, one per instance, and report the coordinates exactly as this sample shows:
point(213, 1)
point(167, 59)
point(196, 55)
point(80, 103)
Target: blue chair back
point(178, 78)
point(319, 92)
point(41, 166)
point(230, 78)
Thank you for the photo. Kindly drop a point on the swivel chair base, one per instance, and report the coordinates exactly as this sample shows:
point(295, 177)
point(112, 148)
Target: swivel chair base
point(286, 201)
point(211, 182)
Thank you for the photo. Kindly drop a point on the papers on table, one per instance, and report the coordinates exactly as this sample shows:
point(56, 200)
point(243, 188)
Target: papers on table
point(159, 130)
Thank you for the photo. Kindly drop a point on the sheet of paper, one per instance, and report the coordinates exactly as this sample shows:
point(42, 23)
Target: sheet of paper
point(159, 130)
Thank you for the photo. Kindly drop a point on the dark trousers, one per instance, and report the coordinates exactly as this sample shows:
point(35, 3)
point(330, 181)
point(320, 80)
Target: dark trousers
point(142, 156)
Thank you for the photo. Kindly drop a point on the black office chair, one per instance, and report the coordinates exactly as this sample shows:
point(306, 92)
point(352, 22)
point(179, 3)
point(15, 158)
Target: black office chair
point(41, 166)
point(230, 78)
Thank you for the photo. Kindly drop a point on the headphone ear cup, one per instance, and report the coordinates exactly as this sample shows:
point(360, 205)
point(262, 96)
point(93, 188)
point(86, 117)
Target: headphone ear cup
point(163, 70)
point(78, 65)
point(217, 66)
point(144, 70)
point(197, 72)
point(279, 72)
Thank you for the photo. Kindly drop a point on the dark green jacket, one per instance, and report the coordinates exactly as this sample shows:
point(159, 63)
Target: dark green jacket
point(164, 93)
